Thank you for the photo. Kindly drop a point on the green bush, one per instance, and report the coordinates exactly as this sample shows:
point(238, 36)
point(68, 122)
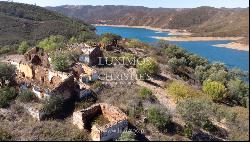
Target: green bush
point(26, 96)
point(54, 105)
point(175, 51)
point(87, 36)
point(195, 60)
point(109, 38)
point(23, 47)
point(4, 136)
point(214, 89)
point(60, 62)
point(145, 93)
point(7, 74)
point(7, 94)
point(181, 91)
point(175, 63)
point(159, 117)
point(238, 91)
point(195, 112)
point(127, 136)
point(135, 44)
point(188, 131)
point(146, 68)
point(52, 43)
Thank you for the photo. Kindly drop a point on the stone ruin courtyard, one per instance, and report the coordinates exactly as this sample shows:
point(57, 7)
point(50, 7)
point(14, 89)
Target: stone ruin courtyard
point(105, 122)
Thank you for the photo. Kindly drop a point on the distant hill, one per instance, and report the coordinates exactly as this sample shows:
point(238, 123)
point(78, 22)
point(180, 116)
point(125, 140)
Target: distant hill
point(29, 22)
point(203, 21)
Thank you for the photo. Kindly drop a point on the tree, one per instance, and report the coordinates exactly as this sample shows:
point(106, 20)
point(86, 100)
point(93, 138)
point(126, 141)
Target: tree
point(127, 136)
point(238, 91)
point(60, 62)
point(147, 67)
point(214, 89)
point(52, 43)
point(7, 73)
point(23, 47)
point(53, 106)
point(159, 117)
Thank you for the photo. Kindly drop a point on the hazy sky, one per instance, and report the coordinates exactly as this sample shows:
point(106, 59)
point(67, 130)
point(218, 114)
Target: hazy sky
point(147, 3)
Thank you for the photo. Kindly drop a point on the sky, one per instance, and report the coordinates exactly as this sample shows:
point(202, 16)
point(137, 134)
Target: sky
point(146, 3)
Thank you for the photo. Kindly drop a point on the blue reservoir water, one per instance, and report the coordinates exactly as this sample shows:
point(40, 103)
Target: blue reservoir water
point(232, 58)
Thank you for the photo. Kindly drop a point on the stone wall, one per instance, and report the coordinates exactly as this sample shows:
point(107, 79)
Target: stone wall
point(111, 131)
point(26, 70)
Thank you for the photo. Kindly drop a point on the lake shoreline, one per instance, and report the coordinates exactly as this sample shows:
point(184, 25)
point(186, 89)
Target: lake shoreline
point(186, 36)
point(175, 32)
point(232, 45)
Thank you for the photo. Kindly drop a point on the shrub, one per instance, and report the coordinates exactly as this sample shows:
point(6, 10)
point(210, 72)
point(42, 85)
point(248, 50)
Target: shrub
point(159, 117)
point(214, 89)
point(145, 93)
point(135, 44)
point(73, 40)
point(188, 131)
point(181, 91)
point(195, 112)
point(175, 51)
point(60, 62)
point(146, 68)
point(23, 47)
point(127, 136)
point(175, 63)
point(4, 136)
point(52, 43)
point(26, 96)
point(195, 60)
point(7, 94)
point(238, 91)
point(109, 38)
point(87, 36)
point(7, 73)
point(54, 105)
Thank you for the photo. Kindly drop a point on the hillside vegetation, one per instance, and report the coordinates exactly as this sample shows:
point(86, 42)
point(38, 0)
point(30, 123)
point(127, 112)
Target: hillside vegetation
point(21, 22)
point(203, 21)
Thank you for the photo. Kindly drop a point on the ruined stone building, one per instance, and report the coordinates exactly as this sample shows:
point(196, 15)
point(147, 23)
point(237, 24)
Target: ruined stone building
point(37, 56)
point(110, 129)
point(45, 81)
point(88, 54)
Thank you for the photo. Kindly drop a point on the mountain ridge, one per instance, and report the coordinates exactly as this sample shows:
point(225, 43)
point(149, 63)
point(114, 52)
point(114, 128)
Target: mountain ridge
point(21, 22)
point(202, 21)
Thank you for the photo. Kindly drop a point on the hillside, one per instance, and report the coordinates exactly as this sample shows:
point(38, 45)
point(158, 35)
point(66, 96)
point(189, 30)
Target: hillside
point(29, 22)
point(202, 21)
